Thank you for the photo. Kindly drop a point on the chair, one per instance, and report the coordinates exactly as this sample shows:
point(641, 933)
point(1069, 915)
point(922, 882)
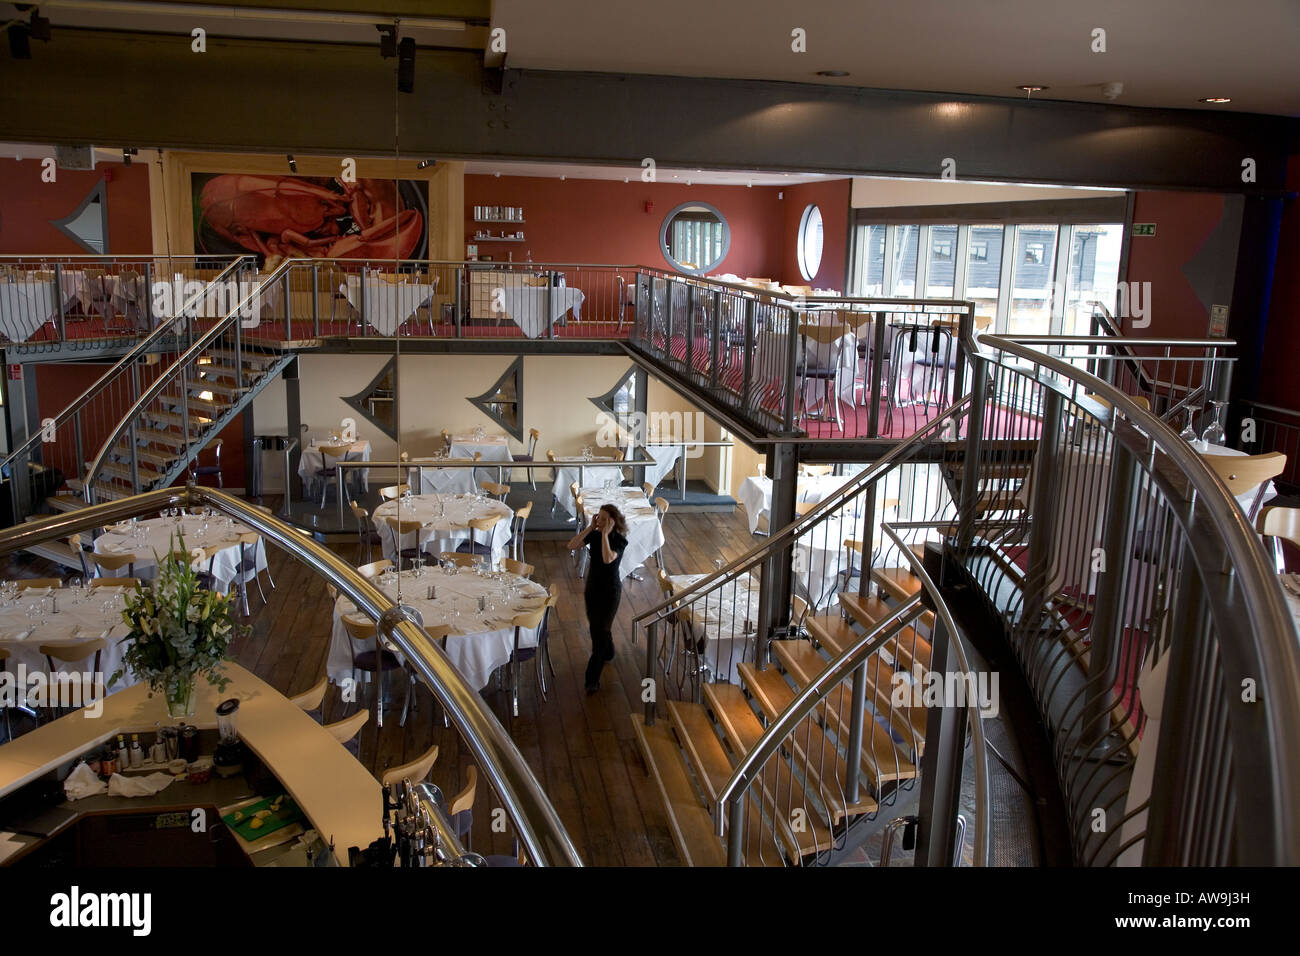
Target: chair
point(73, 654)
point(367, 536)
point(517, 525)
point(24, 583)
point(393, 491)
point(461, 808)
point(576, 494)
point(311, 699)
point(108, 562)
point(415, 771)
point(373, 660)
point(517, 567)
point(497, 491)
point(198, 471)
point(827, 372)
point(247, 567)
point(458, 559)
point(661, 510)
point(648, 488)
point(851, 547)
point(267, 570)
point(533, 619)
point(802, 508)
point(816, 470)
point(533, 435)
point(114, 582)
point(446, 440)
point(205, 558)
point(485, 524)
point(326, 473)
point(374, 568)
point(74, 542)
point(344, 730)
point(397, 528)
point(1277, 523)
point(1243, 473)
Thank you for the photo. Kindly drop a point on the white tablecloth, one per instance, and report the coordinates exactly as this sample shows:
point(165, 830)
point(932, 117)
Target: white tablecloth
point(722, 618)
point(25, 305)
point(426, 478)
point(665, 456)
point(526, 305)
point(198, 532)
point(483, 640)
point(492, 447)
point(445, 523)
point(756, 493)
point(644, 536)
point(82, 616)
point(591, 474)
point(387, 304)
point(311, 461)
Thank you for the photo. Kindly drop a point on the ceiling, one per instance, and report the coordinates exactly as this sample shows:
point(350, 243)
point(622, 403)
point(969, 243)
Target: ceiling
point(1166, 53)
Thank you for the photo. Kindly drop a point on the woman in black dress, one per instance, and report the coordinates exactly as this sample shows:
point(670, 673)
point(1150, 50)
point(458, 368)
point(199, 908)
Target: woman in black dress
point(605, 538)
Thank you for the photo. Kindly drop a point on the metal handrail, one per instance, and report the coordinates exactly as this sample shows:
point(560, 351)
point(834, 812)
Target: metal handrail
point(539, 827)
point(1115, 340)
point(140, 348)
point(161, 382)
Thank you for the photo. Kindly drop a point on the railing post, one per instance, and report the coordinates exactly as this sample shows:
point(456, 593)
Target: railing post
point(315, 299)
point(774, 593)
point(148, 297)
point(1043, 511)
point(550, 318)
point(76, 440)
point(748, 358)
point(715, 329)
point(875, 371)
point(868, 539)
point(58, 301)
point(130, 433)
point(971, 459)
point(651, 653)
point(460, 297)
point(185, 413)
point(857, 715)
point(690, 331)
point(365, 296)
point(791, 369)
point(941, 765)
point(736, 827)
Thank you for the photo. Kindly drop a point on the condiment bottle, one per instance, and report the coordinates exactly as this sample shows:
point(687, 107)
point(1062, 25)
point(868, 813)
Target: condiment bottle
point(137, 752)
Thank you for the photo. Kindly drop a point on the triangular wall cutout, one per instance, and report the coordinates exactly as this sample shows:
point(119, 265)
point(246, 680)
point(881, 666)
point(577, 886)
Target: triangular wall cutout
point(620, 401)
point(376, 402)
point(503, 402)
point(87, 225)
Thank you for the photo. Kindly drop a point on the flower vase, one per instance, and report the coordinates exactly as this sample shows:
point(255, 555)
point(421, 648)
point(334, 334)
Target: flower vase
point(180, 702)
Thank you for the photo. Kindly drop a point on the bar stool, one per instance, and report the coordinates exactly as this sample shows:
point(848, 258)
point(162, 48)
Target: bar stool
point(346, 730)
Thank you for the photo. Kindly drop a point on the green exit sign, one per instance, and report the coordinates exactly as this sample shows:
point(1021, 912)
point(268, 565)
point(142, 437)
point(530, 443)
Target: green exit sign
point(1144, 228)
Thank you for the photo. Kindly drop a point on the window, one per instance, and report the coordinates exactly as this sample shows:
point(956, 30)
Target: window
point(1030, 309)
point(979, 250)
point(694, 238)
point(868, 273)
point(1092, 274)
point(810, 242)
point(940, 271)
point(1033, 253)
point(941, 251)
point(906, 242)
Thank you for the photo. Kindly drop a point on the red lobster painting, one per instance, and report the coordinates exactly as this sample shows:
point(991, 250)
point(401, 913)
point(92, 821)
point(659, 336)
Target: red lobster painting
point(297, 217)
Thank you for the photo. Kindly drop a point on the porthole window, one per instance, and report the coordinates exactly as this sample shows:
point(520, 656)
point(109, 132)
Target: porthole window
point(810, 242)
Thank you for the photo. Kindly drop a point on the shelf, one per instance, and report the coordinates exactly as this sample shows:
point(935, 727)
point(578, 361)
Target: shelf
point(493, 239)
point(517, 221)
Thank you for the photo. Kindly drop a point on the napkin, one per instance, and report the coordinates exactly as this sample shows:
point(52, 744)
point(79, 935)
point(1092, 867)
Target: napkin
point(120, 786)
point(83, 782)
point(20, 636)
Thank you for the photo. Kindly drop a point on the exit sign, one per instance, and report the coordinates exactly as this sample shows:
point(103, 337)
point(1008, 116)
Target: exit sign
point(1144, 228)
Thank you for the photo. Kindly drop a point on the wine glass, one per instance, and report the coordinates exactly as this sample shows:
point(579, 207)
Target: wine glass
point(1214, 434)
point(1188, 434)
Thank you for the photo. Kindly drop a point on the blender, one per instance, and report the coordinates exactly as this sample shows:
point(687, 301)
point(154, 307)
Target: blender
point(228, 758)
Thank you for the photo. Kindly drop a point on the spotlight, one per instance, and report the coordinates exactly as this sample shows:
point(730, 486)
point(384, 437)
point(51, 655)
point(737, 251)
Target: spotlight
point(20, 44)
point(406, 65)
point(293, 164)
point(127, 153)
point(426, 163)
point(387, 41)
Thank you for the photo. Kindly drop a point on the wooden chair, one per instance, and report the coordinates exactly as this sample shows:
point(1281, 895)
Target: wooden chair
point(446, 440)
point(1277, 523)
point(99, 563)
point(326, 471)
point(198, 471)
point(247, 567)
point(311, 699)
point(801, 508)
point(73, 654)
point(344, 730)
point(114, 582)
point(461, 808)
point(517, 567)
point(367, 536)
point(74, 542)
point(1242, 474)
point(457, 558)
point(497, 491)
point(517, 525)
point(374, 659)
point(374, 568)
point(661, 510)
point(533, 435)
point(397, 528)
point(485, 524)
point(416, 771)
point(648, 488)
point(393, 491)
point(533, 619)
point(24, 583)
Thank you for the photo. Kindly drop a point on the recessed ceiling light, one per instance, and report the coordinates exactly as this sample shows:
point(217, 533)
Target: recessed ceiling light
point(1031, 88)
point(832, 73)
point(1216, 99)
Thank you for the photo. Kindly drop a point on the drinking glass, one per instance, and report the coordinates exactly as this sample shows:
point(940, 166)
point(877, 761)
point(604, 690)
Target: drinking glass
point(1214, 434)
point(1188, 433)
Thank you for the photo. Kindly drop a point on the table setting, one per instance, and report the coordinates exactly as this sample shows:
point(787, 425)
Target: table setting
point(150, 537)
point(386, 304)
point(584, 469)
point(526, 305)
point(492, 448)
point(425, 475)
point(479, 606)
point(444, 520)
point(35, 616)
point(756, 493)
point(312, 461)
point(726, 618)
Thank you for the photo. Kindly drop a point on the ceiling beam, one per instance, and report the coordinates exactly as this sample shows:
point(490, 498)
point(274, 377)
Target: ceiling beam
point(116, 89)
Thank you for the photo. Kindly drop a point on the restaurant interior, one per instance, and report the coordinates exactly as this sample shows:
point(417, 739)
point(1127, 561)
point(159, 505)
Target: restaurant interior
point(925, 442)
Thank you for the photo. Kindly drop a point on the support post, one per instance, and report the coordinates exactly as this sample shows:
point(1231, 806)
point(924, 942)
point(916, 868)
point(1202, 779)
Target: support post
point(774, 595)
point(971, 459)
point(874, 373)
point(651, 652)
point(941, 766)
point(1043, 511)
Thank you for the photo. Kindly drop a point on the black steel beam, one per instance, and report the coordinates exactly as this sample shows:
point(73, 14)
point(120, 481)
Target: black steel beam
point(151, 90)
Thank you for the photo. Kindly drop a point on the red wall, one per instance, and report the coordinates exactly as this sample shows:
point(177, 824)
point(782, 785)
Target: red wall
point(27, 205)
point(832, 198)
point(1279, 384)
point(1184, 220)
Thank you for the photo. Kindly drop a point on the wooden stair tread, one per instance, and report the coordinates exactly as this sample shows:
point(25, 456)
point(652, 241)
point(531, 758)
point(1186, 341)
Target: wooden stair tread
point(703, 749)
point(156, 437)
point(881, 759)
point(907, 721)
point(198, 424)
point(216, 387)
point(907, 649)
point(899, 583)
point(995, 502)
point(868, 610)
point(826, 768)
point(743, 732)
point(245, 356)
point(123, 471)
point(688, 819)
point(66, 503)
point(156, 460)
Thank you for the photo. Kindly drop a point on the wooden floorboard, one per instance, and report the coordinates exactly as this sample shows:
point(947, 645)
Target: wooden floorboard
point(581, 747)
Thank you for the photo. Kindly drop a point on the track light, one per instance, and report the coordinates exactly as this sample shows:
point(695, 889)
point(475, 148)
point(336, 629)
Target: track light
point(426, 163)
point(387, 41)
point(406, 65)
point(127, 153)
point(293, 164)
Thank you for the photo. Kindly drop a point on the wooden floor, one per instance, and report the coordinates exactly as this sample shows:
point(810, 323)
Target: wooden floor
point(580, 747)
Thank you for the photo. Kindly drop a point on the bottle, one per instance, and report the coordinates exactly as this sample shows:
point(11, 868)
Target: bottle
point(137, 752)
point(123, 755)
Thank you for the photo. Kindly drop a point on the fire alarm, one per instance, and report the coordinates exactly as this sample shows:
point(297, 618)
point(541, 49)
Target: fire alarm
point(649, 206)
point(108, 175)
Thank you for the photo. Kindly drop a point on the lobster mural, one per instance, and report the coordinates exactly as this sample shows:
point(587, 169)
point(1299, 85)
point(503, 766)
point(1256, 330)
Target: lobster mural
point(295, 217)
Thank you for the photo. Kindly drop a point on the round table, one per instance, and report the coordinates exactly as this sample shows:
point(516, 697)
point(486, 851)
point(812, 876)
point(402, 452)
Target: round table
point(444, 521)
point(480, 642)
point(156, 536)
point(83, 614)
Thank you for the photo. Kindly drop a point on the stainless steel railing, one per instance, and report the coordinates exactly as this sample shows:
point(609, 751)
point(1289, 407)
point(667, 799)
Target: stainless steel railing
point(534, 818)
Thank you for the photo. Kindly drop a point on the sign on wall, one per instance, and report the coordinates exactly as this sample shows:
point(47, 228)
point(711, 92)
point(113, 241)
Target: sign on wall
point(1144, 228)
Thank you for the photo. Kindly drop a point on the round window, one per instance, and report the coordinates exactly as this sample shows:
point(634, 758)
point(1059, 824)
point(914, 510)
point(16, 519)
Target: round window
point(694, 238)
point(810, 242)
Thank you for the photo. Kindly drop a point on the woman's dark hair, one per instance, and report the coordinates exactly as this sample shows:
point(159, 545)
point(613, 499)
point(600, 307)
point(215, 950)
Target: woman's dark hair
point(620, 523)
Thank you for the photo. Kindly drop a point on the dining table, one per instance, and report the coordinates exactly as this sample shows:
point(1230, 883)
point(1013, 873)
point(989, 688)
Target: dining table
point(426, 477)
point(535, 308)
point(756, 493)
point(645, 536)
point(33, 617)
point(584, 471)
point(311, 461)
point(26, 304)
point(151, 538)
point(492, 448)
point(668, 455)
point(387, 305)
point(480, 640)
point(726, 619)
point(444, 523)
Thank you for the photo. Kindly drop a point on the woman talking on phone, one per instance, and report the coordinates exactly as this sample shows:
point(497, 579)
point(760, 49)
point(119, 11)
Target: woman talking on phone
point(605, 538)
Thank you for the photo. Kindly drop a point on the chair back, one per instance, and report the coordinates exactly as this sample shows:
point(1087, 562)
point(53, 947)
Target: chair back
point(524, 513)
point(337, 452)
point(550, 455)
point(400, 526)
point(362, 516)
point(495, 490)
point(517, 567)
point(114, 582)
point(816, 470)
point(665, 585)
point(71, 653)
point(110, 562)
point(312, 698)
point(24, 583)
point(661, 508)
point(374, 568)
point(648, 488)
point(393, 491)
point(1243, 473)
point(533, 435)
point(465, 799)
point(457, 558)
point(486, 523)
point(1279, 522)
point(347, 728)
point(415, 771)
